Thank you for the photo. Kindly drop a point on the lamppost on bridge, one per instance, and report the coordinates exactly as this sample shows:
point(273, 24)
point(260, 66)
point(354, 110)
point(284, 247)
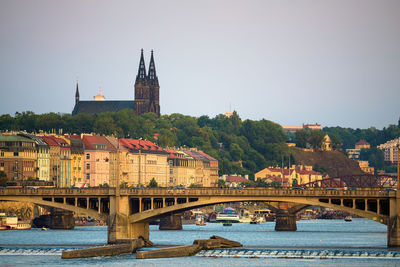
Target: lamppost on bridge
point(398, 161)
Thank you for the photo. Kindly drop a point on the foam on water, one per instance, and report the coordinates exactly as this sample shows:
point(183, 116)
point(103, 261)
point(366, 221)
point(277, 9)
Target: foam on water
point(31, 251)
point(306, 254)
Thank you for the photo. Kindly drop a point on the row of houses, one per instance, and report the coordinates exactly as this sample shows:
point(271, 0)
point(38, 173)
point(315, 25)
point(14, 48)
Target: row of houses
point(95, 160)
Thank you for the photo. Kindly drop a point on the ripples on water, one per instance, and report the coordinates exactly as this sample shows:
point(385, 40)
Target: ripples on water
point(360, 235)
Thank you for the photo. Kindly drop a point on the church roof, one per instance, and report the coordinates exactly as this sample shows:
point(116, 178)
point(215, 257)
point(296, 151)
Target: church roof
point(91, 107)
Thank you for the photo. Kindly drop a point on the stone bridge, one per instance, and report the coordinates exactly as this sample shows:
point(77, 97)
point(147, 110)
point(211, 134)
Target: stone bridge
point(129, 211)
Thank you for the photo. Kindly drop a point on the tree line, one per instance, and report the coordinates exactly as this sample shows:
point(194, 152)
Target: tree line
point(240, 146)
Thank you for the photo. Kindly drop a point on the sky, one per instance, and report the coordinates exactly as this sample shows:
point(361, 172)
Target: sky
point(332, 62)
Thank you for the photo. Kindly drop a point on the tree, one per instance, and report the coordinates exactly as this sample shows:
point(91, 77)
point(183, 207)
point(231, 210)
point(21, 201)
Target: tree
point(236, 152)
point(195, 185)
point(316, 139)
point(295, 183)
point(3, 178)
point(221, 183)
point(123, 185)
point(301, 137)
point(336, 142)
point(153, 183)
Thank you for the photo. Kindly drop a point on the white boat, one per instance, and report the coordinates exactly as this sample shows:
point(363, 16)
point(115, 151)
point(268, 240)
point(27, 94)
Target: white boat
point(12, 223)
point(200, 221)
point(229, 215)
point(348, 218)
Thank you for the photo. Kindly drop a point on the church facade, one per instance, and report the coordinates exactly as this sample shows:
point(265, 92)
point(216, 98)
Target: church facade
point(147, 95)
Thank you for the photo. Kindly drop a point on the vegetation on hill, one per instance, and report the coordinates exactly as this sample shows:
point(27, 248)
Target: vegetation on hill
point(334, 163)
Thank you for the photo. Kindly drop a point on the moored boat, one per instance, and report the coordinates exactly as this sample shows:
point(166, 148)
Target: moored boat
point(229, 215)
point(12, 223)
point(348, 218)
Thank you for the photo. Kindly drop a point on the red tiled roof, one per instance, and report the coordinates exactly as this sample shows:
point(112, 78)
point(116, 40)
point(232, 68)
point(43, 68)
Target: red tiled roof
point(362, 142)
point(139, 144)
point(50, 140)
point(207, 156)
point(236, 179)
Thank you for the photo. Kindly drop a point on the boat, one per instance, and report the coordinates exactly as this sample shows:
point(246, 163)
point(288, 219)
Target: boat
point(200, 221)
point(229, 215)
point(256, 220)
point(227, 224)
point(265, 214)
point(12, 223)
point(44, 228)
point(348, 219)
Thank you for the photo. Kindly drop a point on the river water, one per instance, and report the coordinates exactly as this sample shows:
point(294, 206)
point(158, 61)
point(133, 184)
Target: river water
point(359, 237)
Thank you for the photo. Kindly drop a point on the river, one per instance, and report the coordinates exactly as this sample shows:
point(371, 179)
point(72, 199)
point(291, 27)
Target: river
point(36, 247)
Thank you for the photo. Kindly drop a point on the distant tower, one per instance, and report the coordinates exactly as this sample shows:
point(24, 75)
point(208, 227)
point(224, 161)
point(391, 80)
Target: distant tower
point(147, 88)
point(154, 87)
point(77, 94)
point(142, 92)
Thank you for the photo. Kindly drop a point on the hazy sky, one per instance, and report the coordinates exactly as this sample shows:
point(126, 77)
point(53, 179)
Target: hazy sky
point(334, 62)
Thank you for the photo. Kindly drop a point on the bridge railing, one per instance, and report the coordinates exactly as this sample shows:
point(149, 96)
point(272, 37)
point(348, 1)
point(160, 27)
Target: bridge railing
point(198, 192)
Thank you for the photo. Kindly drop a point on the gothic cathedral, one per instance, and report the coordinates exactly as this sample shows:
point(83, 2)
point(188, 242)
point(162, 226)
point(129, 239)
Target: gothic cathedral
point(147, 89)
point(147, 95)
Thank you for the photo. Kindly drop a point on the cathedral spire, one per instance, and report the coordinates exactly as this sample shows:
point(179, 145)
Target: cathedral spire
point(142, 68)
point(77, 93)
point(152, 69)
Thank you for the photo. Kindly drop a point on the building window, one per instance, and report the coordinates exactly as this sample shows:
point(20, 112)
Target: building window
point(170, 163)
point(88, 176)
point(171, 179)
point(2, 153)
point(15, 154)
point(87, 156)
point(88, 166)
point(1, 164)
point(171, 171)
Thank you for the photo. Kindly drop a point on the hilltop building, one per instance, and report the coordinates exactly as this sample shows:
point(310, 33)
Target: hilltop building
point(354, 153)
point(391, 150)
point(293, 129)
point(147, 95)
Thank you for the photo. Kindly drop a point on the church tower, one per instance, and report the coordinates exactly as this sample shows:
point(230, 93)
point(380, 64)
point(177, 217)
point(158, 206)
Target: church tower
point(147, 88)
point(154, 87)
point(142, 91)
point(77, 94)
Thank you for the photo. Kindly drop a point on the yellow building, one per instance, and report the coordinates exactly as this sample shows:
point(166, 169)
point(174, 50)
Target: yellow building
point(326, 144)
point(77, 161)
point(141, 161)
point(302, 174)
point(271, 174)
point(362, 144)
point(364, 166)
point(192, 167)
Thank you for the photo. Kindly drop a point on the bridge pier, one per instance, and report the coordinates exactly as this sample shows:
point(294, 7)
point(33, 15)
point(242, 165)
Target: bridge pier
point(119, 226)
point(61, 219)
point(393, 227)
point(285, 221)
point(171, 222)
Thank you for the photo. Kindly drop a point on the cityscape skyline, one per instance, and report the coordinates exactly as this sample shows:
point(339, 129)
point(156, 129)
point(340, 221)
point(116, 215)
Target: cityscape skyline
point(330, 63)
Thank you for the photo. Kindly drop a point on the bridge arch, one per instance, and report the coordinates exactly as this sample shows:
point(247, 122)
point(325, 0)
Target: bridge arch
point(150, 215)
point(39, 201)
